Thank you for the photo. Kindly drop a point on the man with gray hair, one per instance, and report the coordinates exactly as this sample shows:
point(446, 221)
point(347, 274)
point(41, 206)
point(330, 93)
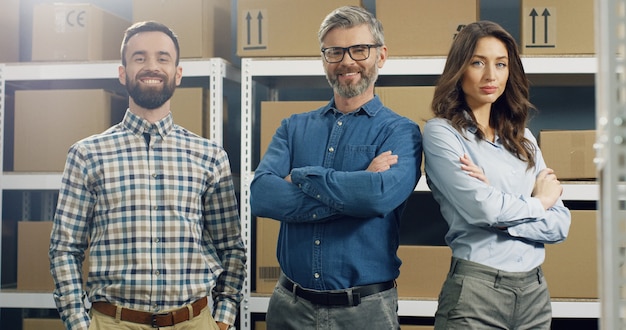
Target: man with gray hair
point(337, 178)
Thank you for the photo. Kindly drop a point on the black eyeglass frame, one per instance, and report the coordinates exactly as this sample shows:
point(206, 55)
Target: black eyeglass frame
point(347, 50)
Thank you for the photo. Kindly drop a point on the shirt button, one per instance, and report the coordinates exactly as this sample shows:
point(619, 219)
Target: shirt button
point(155, 207)
point(318, 196)
point(339, 123)
point(154, 175)
point(314, 216)
point(156, 240)
point(317, 242)
point(331, 149)
point(316, 275)
point(157, 273)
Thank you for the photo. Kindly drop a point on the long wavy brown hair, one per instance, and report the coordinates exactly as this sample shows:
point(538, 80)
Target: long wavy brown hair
point(509, 113)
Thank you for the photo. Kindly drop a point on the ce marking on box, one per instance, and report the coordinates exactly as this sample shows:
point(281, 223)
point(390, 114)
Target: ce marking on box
point(540, 28)
point(75, 18)
point(254, 29)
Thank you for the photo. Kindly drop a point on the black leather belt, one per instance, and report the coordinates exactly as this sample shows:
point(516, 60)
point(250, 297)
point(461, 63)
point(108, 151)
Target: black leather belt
point(335, 298)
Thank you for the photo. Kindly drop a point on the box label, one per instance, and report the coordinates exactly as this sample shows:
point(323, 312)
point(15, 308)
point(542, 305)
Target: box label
point(254, 31)
point(542, 23)
point(66, 19)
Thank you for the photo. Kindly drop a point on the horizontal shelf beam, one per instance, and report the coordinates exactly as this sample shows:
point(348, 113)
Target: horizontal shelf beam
point(286, 67)
point(427, 308)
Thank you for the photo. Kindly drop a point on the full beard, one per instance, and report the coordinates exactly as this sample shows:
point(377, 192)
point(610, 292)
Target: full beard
point(150, 98)
point(368, 77)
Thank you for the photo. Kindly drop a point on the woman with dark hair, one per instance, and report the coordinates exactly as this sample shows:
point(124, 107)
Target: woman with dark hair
point(501, 202)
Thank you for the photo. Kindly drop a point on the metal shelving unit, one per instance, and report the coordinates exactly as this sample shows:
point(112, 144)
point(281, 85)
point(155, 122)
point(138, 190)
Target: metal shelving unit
point(216, 70)
point(308, 71)
point(611, 160)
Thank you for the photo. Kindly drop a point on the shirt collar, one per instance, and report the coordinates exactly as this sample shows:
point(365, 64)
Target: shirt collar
point(370, 108)
point(138, 125)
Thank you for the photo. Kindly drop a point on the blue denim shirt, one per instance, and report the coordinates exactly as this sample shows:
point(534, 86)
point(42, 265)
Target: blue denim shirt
point(474, 210)
point(339, 223)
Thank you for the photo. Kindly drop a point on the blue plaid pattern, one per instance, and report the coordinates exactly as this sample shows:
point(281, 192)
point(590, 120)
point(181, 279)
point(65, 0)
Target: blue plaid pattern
point(160, 222)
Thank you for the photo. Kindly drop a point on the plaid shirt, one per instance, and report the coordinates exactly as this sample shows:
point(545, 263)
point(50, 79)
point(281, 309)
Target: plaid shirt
point(159, 216)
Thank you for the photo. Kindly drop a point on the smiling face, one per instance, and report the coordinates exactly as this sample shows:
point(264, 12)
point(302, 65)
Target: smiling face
point(350, 78)
point(150, 74)
point(484, 80)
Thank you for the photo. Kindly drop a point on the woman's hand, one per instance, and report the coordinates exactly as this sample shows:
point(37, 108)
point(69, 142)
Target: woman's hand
point(472, 169)
point(547, 188)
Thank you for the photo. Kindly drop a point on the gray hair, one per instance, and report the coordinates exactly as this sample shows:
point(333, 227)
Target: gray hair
point(350, 16)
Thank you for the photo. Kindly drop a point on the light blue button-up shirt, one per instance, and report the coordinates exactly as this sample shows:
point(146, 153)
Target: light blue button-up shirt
point(474, 209)
point(339, 223)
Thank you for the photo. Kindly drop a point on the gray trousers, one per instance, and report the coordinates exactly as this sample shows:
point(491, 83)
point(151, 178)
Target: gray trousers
point(287, 311)
point(475, 296)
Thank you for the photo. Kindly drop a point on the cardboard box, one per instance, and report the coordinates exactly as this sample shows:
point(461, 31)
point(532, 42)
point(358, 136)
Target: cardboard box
point(10, 27)
point(550, 27)
point(203, 27)
point(76, 32)
point(41, 324)
point(190, 109)
point(267, 268)
point(413, 102)
point(33, 263)
point(272, 113)
point(569, 153)
point(424, 27)
point(571, 267)
point(48, 122)
point(282, 27)
point(423, 270)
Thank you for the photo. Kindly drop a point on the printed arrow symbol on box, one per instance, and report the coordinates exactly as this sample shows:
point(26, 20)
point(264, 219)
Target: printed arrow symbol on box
point(545, 15)
point(260, 20)
point(248, 18)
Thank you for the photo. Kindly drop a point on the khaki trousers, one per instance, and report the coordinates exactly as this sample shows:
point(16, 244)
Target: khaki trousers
point(204, 321)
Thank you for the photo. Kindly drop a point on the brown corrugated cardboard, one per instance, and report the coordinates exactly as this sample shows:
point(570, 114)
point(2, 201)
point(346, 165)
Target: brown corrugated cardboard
point(550, 27)
point(571, 267)
point(569, 153)
point(203, 27)
point(282, 27)
point(75, 32)
point(190, 109)
point(48, 122)
point(10, 27)
point(272, 113)
point(424, 27)
point(42, 324)
point(33, 264)
point(413, 102)
point(267, 268)
point(423, 270)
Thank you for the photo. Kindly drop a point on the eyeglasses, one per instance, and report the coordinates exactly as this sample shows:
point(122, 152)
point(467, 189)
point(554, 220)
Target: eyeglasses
point(356, 52)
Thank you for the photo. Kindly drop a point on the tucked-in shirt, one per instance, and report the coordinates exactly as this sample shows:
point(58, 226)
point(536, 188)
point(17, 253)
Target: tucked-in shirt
point(159, 217)
point(339, 222)
point(476, 212)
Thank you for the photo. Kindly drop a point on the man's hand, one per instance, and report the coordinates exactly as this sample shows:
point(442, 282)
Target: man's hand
point(382, 162)
point(472, 169)
point(547, 188)
point(222, 325)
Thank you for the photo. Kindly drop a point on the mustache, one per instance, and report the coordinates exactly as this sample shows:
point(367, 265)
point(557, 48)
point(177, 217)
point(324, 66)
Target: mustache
point(151, 75)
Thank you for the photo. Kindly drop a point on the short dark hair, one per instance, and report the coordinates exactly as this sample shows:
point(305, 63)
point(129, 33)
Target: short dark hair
point(148, 26)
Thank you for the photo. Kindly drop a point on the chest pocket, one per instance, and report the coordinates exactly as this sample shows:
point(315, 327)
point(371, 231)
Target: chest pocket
point(357, 158)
